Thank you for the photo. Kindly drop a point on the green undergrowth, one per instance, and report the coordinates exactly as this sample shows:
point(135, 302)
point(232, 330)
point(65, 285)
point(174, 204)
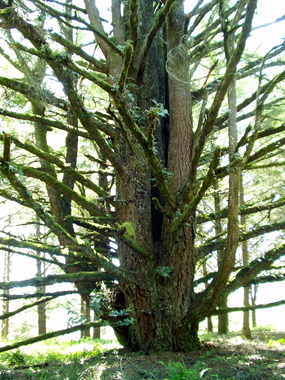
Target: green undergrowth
point(66, 359)
point(179, 371)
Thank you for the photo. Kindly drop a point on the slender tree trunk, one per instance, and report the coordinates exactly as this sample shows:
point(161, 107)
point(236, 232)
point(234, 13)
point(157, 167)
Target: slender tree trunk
point(210, 326)
point(209, 319)
point(41, 272)
point(85, 313)
point(96, 333)
point(223, 319)
point(234, 176)
point(42, 317)
point(246, 332)
point(5, 304)
point(253, 292)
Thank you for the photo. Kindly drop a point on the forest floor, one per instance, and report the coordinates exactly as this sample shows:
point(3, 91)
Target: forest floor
point(221, 358)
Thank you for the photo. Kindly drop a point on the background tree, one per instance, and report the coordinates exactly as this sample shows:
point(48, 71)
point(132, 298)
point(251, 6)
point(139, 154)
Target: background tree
point(126, 127)
point(5, 302)
point(223, 319)
point(253, 296)
point(245, 259)
point(42, 317)
point(85, 312)
point(41, 272)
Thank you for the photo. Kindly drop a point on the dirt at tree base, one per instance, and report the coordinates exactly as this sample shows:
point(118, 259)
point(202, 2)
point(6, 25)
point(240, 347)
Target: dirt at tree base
point(229, 358)
point(221, 358)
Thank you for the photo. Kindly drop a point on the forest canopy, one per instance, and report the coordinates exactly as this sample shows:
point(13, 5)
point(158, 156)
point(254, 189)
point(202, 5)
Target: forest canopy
point(142, 154)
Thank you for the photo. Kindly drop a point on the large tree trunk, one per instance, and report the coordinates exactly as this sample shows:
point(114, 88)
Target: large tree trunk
point(161, 292)
point(160, 307)
point(160, 253)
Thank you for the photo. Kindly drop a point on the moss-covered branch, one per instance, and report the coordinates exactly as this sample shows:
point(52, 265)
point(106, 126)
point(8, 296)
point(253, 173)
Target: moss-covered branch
point(47, 297)
point(65, 237)
point(58, 279)
point(255, 281)
point(223, 310)
point(269, 148)
point(33, 92)
point(192, 203)
point(57, 61)
point(61, 59)
point(206, 248)
point(86, 118)
point(43, 120)
point(246, 209)
point(53, 334)
point(225, 82)
point(7, 248)
point(62, 189)
point(37, 247)
point(128, 54)
point(25, 296)
point(127, 234)
point(65, 168)
point(270, 278)
point(99, 66)
point(25, 307)
point(134, 21)
point(249, 272)
point(11, 197)
point(156, 166)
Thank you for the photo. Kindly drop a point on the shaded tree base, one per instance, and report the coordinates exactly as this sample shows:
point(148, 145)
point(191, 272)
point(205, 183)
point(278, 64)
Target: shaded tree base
point(179, 341)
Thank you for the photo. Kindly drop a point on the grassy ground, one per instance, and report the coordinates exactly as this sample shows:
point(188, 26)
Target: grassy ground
point(221, 358)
